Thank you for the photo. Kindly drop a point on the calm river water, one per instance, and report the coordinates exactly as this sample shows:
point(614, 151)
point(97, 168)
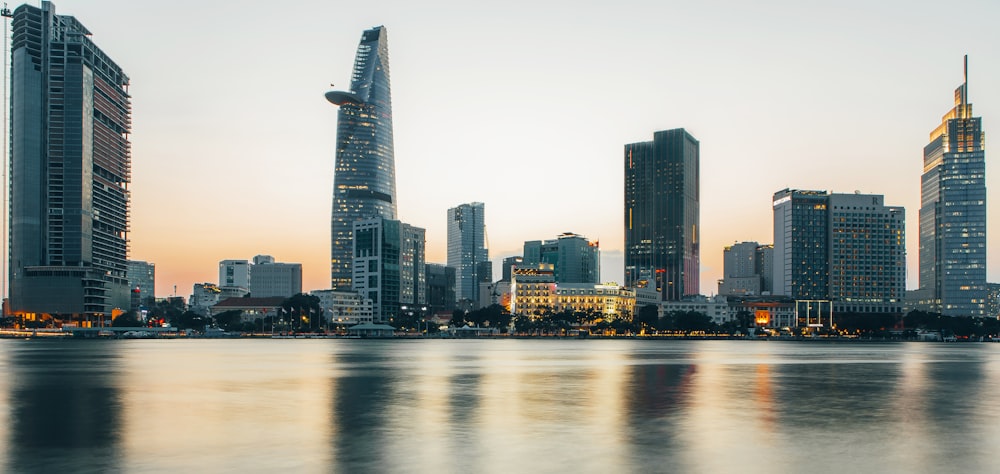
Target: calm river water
point(498, 406)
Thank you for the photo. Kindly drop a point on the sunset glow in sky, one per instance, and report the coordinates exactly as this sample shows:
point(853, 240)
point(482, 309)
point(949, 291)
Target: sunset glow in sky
point(526, 107)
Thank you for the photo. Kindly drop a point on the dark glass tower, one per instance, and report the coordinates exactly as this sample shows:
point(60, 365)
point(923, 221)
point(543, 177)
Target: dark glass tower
point(661, 214)
point(364, 183)
point(953, 213)
point(467, 248)
point(70, 169)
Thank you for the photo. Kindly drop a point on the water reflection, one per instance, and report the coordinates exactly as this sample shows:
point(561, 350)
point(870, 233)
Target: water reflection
point(65, 409)
point(498, 406)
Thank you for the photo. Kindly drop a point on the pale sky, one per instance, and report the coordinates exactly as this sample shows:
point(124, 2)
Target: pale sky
point(526, 107)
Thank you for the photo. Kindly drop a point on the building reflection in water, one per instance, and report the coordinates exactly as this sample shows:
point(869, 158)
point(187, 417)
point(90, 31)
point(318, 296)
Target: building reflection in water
point(64, 406)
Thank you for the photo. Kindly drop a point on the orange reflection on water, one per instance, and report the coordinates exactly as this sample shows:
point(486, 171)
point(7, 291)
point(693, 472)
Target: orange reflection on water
point(287, 415)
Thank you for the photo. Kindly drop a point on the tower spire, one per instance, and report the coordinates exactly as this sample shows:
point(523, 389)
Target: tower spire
point(965, 88)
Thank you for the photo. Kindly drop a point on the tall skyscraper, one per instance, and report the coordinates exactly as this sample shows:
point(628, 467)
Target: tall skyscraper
point(953, 212)
point(467, 247)
point(70, 169)
point(661, 214)
point(848, 249)
point(364, 182)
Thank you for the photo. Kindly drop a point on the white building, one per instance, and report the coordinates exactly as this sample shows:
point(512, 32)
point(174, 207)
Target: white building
point(716, 307)
point(234, 273)
point(270, 278)
point(345, 307)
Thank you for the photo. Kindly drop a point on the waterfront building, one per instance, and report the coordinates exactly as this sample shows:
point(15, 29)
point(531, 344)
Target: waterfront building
point(467, 248)
point(662, 227)
point(142, 282)
point(953, 212)
point(364, 181)
point(203, 297)
point(842, 252)
point(574, 258)
point(774, 312)
point(252, 310)
point(69, 173)
point(531, 289)
point(746, 268)
point(609, 300)
point(389, 265)
point(235, 273)
point(716, 307)
point(345, 308)
point(440, 287)
point(270, 278)
point(867, 254)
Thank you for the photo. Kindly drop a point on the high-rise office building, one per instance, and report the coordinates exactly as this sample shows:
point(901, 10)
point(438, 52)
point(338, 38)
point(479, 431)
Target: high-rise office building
point(70, 169)
point(389, 265)
point(364, 181)
point(575, 259)
point(953, 213)
point(847, 249)
point(661, 214)
point(467, 248)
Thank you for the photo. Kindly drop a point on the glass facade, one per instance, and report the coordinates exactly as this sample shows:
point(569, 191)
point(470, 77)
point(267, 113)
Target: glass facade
point(953, 213)
point(801, 266)
point(365, 174)
point(662, 214)
point(848, 249)
point(388, 265)
point(574, 258)
point(70, 169)
point(467, 247)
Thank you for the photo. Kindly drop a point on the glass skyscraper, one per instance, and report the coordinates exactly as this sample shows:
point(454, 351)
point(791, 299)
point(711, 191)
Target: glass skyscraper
point(364, 182)
point(661, 214)
point(953, 213)
point(71, 117)
point(467, 248)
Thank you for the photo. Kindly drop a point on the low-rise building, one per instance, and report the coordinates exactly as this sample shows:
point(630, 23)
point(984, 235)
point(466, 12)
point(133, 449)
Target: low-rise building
point(251, 309)
point(345, 307)
point(716, 307)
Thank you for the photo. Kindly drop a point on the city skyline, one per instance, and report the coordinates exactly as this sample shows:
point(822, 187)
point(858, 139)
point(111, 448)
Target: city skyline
point(238, 158)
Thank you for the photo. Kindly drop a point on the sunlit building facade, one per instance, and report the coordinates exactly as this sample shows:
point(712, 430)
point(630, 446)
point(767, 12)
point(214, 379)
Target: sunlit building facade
point(71, 116)
point(662, 214)
point(953, 213)
point(608, 300)
point(364, 182)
